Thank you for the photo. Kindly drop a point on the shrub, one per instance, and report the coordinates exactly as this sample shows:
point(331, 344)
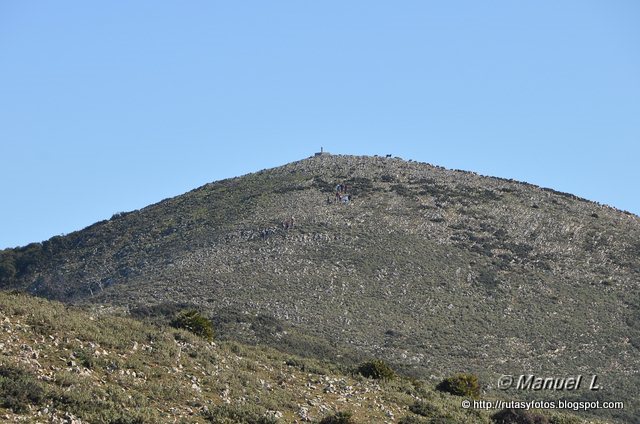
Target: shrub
point(27, 258)
point(441, 419)
point(411, 419)
point(194, 322)
point(376, 369)
point(444, 420)
point(127, 420)
point(518, 416)
point(339, 418)
point(85, 358)
point(239, 414)
point(401, 189)
point(461, 385)
point(360, 186)
point(7, 266)
point(564, 419)
point(18, 389)
point(488, 278)
point(424, 408)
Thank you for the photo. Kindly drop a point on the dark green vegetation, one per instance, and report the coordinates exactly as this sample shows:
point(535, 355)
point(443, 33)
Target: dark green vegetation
point(247, 414)
point(376, 369)
point(62, 364)
point(466, 385)
point(194, 322)
point(518, 416)
point(339, 418)
point(434, 271)
point(18, 389)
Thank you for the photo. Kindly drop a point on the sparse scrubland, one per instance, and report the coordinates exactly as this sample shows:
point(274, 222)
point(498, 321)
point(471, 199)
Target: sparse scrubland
point(62, 364)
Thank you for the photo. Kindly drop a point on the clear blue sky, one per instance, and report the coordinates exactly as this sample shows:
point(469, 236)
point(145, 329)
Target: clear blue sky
point(111, 106)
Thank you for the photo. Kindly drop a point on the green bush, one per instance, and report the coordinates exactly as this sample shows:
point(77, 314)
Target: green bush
point(461, 385)
point(518, 416)
point(239, 414)
point(402, 190)
point(194, 322)
point(7, 267)
point(411, 419)
point(425, 409)
point(442, 419)
point(27, 258)
point(18, 389)
point(339, 418)
point(85, 358)
point(564, 419)
point(127, 420)
point(376, 369)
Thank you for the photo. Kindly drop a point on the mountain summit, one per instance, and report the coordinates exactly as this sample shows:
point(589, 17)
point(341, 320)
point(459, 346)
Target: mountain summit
point(431, 269)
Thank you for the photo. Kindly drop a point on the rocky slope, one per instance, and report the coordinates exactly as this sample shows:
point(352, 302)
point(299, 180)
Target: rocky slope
point(61, 365)
point(432, 269)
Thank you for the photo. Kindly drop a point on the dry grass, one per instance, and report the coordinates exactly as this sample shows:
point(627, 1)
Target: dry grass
point(63, 363)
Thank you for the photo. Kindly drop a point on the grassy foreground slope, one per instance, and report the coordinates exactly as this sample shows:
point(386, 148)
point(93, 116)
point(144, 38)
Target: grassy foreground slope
point(60, 364)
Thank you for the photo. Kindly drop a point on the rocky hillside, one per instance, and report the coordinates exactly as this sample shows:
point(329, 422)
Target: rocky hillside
point(434, 270)
point(61, 365)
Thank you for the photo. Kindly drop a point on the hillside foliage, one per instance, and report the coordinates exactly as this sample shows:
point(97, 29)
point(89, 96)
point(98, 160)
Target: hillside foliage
point(62, 364)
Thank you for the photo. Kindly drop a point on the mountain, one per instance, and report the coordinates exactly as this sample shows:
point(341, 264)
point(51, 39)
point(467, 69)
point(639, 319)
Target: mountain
point(435, 271)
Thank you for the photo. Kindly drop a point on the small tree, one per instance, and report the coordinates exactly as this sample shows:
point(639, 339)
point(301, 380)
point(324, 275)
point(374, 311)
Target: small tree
point(191, 320)
point(376, 369)
point(461, 385)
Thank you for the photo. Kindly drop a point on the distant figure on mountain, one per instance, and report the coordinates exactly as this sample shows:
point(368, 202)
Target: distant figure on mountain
point(288, 224)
